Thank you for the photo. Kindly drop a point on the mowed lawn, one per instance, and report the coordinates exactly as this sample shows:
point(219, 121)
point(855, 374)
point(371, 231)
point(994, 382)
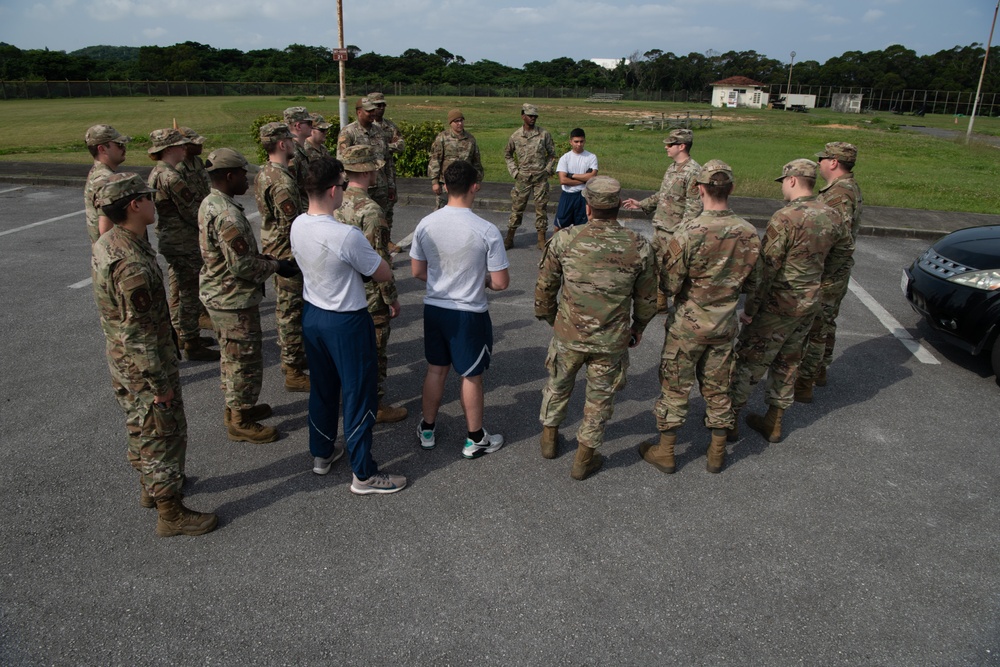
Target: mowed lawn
point(896, 167)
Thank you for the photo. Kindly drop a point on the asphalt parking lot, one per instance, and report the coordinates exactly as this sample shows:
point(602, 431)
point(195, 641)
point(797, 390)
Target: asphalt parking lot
point(869, 536)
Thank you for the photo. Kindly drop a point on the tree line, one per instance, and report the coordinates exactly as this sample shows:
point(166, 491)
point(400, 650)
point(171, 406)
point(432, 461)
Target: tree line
point(894, 68)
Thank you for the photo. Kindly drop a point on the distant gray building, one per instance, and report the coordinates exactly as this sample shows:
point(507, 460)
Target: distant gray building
point(846, 102)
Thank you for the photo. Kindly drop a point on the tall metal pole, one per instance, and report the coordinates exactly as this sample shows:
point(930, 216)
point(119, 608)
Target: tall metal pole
point(788, 95)
point(341, 66)
point(979, 88)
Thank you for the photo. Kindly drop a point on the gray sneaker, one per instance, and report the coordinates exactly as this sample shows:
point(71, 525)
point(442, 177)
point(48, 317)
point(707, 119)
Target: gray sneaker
point(488, 445)
point(378, 483)
point(321, 465)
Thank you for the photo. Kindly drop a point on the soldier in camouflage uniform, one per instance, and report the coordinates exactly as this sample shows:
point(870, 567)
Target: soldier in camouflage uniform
point(107, 146)
point(842, 194)
point(804, 241)
point(142, 358)
point(177, 236)
point(315, 145)
point(677, 200)
point(394, 145)
point(708, 261)
point(531, 160)
point(607, 275)
point(232, 286)
point(361, 211)
point(299, 123)
point(278, 198)
point(364, 131)
point(452, 145)
point(192, 169)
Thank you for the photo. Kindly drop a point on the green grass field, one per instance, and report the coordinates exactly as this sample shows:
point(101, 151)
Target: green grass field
point(896, 167)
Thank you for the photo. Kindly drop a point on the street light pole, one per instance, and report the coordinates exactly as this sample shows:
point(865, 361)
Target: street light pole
point(788, 94)
point(979, 88)
point(341, 67)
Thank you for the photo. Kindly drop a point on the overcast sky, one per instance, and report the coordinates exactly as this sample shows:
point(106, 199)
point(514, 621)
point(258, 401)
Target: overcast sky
point(512, 32)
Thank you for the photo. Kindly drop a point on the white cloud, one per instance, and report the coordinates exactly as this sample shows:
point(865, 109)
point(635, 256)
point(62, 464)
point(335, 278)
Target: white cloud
point(154, 33)
point(833, 20)
point(872, 15)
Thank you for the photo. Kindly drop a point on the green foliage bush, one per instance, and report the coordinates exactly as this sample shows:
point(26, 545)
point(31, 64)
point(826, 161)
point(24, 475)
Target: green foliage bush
point(413, 161)
point(255, 134)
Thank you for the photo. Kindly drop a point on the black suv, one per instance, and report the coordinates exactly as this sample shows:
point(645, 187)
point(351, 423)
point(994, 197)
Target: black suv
point(955, 285)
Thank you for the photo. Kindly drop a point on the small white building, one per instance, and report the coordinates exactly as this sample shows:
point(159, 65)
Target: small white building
point(739, 91)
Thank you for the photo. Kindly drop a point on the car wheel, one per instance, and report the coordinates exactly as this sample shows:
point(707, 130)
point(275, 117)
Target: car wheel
point(995, 359)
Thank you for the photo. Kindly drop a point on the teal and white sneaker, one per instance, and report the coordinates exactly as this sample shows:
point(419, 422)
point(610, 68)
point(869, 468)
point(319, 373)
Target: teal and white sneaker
point(488, 445)
point(426, 437)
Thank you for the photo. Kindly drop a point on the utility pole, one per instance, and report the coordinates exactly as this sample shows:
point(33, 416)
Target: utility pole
point(788, 95)
point(341, 66)
point(979, 88)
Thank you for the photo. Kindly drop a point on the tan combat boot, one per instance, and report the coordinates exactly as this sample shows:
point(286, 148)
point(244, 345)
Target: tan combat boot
point(550, 441)
point(145, 500)
point(588, 461)
point(257, 412)
point(821, 377)
point(661, 455)
point(388, 414)
point(716, 451)
point(243, 428)
point(508, 241)
point(541, 240)
point(195, 350)
point(803, 390)
point(205, 322)
point(295, 380)
point(175, 519)
point(769, 425)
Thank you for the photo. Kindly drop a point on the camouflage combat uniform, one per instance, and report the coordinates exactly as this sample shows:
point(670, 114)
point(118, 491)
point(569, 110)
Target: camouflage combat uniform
point(531, 160)
point(96, 179)
point(374, 136)
point(314, 152)
point(361, 211)
point(142, 357)
point(449, 147)
point(232, 286)
point(394, 145)
point(177, 241)
point(708, 261)
point(297, 165)
point(607, 275)
point(804, 242)
point(844, 196)
point(676, 201)
point(278, 199)
point(192, 170)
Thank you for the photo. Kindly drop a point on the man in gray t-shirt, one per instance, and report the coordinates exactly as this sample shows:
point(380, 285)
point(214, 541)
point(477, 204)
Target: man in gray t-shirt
point(460, 256)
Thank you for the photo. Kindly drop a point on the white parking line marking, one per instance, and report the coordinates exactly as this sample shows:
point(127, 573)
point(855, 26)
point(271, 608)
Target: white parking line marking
point(43, 222)
point(82, 283)
point(3, 192)
point(893, 325)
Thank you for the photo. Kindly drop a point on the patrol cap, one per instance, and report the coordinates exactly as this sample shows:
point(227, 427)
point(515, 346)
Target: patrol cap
point(225, 158)
point(455, 114)
point(679, 136)
point(319, 122)
point(376, 98)
point(360, 158)
point(366, 104)
point(192, 136)
point(603, 192)
point(165, 138)
point(275, 131)
point(102, 134)
point(839, 150)
point(715, 172)
point(529, 109)
point(296, 115)
point(801, 167)
point(120, 186)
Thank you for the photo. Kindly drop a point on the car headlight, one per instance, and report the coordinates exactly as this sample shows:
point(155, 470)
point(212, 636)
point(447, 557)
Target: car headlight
point(984, 280)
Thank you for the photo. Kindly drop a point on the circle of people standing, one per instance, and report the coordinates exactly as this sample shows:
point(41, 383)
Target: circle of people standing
point(325, 229)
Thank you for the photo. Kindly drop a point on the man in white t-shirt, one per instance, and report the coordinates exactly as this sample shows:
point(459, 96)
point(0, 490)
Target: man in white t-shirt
point(336, 260)
point(575, 169)
point(460, 256)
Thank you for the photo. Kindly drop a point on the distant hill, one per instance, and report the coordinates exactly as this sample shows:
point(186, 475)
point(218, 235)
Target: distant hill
point(110, 53)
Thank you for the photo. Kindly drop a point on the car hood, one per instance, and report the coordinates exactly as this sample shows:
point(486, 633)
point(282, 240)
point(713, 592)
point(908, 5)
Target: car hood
point(976, 247)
